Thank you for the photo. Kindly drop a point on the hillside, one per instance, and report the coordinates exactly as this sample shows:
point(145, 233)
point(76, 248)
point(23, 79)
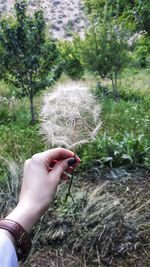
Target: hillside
point(64, 17)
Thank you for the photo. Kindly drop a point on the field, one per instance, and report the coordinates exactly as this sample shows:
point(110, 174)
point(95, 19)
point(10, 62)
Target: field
point(114, 171)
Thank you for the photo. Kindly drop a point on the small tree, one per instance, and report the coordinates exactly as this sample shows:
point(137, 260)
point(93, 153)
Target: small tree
point(104, 51)
point(30, 57)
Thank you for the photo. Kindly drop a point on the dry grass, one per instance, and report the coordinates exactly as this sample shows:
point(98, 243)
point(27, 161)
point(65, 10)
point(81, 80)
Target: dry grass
point(106, 224)
point(9, 190)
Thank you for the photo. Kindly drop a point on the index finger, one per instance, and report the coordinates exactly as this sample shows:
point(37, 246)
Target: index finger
point(56, 154)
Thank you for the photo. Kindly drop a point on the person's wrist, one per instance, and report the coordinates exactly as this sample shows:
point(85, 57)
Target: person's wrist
point(25, 215)
point(19, 237)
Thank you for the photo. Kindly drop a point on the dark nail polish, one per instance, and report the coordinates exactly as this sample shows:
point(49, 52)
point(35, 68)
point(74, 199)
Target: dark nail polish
point(72, 161)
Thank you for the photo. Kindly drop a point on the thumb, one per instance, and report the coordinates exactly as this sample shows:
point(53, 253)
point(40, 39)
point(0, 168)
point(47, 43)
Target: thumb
point(60, 167)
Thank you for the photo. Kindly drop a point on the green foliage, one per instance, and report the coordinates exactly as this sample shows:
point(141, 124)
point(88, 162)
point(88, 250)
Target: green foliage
point(113, 151)
point(28, 55)
point(140, 55)
point(7, 90)
point(71, 59)
point(20, 140)
point(104, 51)
point(134, 14)
point(125, 137)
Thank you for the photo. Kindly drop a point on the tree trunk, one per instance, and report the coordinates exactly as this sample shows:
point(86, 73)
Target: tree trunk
point(114, 86)
point(32, 110)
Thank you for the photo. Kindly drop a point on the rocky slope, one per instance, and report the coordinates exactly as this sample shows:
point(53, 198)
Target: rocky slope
point(63, 16)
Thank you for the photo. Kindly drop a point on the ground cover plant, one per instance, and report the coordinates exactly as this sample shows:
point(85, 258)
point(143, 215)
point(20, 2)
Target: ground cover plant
point(124, 137)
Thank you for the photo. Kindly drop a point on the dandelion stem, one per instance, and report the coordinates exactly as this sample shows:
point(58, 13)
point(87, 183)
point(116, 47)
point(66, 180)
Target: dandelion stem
point(69, 188)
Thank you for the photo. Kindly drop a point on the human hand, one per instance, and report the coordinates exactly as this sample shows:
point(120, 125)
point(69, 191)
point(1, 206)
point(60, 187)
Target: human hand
point(42, 174)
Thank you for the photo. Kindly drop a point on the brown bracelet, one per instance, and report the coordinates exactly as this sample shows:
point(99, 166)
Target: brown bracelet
point(22, 238)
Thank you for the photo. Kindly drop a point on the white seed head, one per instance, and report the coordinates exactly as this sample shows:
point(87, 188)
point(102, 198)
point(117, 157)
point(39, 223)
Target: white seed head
point(70, 115)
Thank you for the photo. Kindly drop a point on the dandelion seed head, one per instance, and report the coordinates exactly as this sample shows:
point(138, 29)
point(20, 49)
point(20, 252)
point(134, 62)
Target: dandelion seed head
point(70, 114)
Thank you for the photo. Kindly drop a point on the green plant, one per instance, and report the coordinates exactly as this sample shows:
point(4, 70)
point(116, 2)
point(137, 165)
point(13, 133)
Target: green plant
point(130, 150)
point(124, 138)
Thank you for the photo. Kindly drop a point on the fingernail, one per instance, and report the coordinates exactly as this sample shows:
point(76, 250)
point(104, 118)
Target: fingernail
point(71, 161)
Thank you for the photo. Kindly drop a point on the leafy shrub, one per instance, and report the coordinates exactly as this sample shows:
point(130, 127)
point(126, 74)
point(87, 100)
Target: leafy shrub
point(129, 150)
point(125, 137)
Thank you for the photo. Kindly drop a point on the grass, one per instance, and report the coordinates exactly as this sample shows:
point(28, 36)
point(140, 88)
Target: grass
point(123, 117)
point(7, 90)
point(136, 80)
point(133, 79)
point(18, 137)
